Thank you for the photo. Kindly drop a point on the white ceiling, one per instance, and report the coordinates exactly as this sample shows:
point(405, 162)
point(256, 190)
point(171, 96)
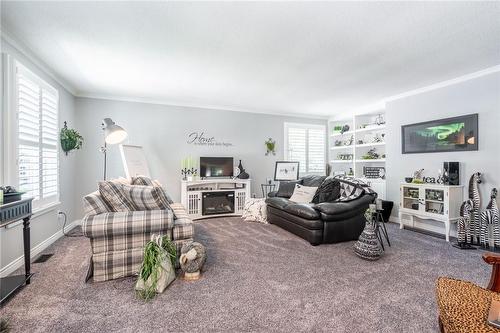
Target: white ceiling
point(317, 58)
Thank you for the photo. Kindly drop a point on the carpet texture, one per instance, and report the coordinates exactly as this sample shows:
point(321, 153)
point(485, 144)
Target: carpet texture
point(257, 278)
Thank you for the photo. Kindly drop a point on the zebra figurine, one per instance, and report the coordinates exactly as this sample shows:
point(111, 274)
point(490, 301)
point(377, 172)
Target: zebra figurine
point(464, 234)
point(475, 225)
point(490, 217)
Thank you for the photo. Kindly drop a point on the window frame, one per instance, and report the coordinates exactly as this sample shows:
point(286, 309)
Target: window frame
point(307, 127)
point(11, 131)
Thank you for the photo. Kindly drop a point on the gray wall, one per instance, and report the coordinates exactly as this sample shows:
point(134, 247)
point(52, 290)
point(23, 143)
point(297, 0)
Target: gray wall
point(163, 132)
point(480, 95)
point(46, 225)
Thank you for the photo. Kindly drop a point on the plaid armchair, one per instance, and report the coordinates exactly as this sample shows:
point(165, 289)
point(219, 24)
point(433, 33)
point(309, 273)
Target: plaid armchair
point(117, 239)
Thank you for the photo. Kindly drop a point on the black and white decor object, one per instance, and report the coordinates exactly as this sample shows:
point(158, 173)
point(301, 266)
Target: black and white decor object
point(286, 171)
point(464, 234)
point(368, 245)
point(242, 173)
point(192, 258)
point(474, 182)
point(490, 217)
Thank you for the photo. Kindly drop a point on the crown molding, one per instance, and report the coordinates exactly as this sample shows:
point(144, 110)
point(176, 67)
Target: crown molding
point(380, 105)
point(197, 106)
point(446, 83)
point(21, 47)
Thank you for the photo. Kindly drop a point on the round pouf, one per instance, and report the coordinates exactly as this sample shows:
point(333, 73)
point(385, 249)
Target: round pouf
point(368, 246)
point(192, 258)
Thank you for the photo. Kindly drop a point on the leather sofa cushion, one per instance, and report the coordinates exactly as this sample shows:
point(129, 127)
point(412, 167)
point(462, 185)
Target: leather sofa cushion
point(305, 211)
point(294, 219)
point(328, 191)
point(312, 180)
point(286, 188)
point(337, 211)
point(277, 202)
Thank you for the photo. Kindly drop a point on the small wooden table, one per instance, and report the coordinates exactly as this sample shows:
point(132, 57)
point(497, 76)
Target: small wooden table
point(9, 213)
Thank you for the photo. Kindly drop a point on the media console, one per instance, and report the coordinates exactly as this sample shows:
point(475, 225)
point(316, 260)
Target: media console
point(214, 197)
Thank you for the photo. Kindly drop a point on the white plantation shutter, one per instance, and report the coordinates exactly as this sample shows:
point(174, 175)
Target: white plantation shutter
point(37, 137)
point(306, 144)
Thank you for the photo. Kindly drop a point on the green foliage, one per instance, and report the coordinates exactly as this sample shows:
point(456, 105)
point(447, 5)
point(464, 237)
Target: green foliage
point(153, 257)
point(70, 139)
point(4, 326)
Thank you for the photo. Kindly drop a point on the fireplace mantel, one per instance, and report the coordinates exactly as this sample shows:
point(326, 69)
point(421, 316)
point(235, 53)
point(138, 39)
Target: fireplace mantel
point(192, 194)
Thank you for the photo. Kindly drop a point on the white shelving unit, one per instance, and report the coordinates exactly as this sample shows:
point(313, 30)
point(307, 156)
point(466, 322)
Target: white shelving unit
point(364, 134)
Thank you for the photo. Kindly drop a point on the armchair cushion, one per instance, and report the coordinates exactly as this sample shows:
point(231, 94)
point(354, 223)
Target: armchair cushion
point(115, 197)
point(127, 223)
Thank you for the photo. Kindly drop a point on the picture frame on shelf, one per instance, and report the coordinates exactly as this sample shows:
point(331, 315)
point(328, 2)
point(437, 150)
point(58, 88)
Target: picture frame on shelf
point(286, 171)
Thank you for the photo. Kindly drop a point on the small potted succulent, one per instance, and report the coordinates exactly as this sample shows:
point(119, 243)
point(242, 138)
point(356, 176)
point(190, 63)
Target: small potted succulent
point(70, 139)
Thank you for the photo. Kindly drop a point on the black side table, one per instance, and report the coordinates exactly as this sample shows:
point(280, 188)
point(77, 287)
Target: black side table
point(10, 213)
point(380, 228)
point(266, 188)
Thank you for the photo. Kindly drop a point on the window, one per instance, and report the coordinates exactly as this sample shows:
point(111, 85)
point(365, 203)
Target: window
point(35, 134)
point(306, 144)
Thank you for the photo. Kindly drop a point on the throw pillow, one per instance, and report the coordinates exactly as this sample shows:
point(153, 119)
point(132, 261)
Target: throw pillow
point(142, 180)
point(146, 197)
point(167, 197)
point(328, 191)
point(114, 195)
point(286, 188)
point(121, 180)
point(303, 194)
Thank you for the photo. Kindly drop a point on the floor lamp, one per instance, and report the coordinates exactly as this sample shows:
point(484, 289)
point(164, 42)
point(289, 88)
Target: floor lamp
point(113, 134)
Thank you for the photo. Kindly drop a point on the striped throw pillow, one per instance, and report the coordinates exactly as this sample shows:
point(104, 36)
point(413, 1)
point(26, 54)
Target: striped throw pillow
point(142, 180)
point(167, 197)
point(146, 197)
point(114, 195)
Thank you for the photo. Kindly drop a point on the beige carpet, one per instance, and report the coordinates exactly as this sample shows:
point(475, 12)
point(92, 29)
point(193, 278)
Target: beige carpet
point(257, 278)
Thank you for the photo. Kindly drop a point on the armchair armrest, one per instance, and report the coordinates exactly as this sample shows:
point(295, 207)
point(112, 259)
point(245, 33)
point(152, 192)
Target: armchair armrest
point(494, 260)
point(339, 207)
point(125, 223)
point(272, 194)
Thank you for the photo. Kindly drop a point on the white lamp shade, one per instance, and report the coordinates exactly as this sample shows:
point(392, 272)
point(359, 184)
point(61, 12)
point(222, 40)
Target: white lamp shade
point(113, 134)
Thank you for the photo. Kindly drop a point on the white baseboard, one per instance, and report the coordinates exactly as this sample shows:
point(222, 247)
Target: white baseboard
point(19, 262)
point(419, 224)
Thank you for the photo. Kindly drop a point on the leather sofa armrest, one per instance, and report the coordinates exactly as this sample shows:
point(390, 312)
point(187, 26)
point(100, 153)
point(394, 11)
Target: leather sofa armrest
point(272, 194)
point(338, 207)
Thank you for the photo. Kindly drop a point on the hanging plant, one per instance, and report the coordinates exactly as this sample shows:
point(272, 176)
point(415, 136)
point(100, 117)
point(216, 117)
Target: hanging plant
point(70, 139)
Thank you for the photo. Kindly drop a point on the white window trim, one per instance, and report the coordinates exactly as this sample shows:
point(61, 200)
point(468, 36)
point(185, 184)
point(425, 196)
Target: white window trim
point(306, 126)
point(11, 172)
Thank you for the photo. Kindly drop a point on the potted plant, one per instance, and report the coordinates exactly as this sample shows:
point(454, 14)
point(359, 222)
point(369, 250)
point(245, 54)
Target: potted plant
point(158, 267)
point(70, 139)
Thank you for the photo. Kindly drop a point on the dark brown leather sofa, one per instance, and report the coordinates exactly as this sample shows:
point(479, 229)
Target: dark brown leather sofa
point(327, 222)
